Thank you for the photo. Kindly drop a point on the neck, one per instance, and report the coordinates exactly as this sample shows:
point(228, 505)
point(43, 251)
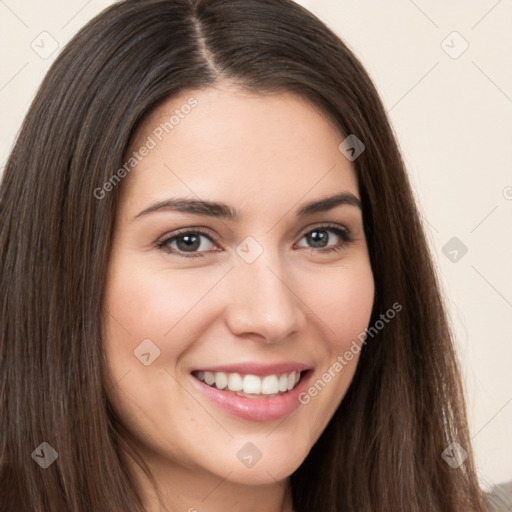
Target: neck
point(196, 490)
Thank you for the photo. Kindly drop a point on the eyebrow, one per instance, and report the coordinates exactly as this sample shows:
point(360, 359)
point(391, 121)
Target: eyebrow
point(222, 210)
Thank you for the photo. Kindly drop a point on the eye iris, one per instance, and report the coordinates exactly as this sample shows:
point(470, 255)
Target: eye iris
point(318, 236)
point(188, 242)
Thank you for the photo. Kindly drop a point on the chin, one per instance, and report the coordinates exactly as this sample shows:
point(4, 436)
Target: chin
point(261, 462)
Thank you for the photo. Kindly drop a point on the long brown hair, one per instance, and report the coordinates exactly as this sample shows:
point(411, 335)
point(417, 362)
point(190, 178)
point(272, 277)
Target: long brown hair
point(382, 450)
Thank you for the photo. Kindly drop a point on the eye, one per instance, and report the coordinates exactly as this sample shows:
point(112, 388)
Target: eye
point(190, 243)
point(187, 242)
point(319, 237)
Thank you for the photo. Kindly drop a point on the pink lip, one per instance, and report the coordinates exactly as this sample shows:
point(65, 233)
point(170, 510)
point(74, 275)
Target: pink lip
point(255, 409)
point(257, 369)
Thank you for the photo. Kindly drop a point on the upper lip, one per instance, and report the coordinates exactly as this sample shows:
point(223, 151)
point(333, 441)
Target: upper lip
point(257, 369)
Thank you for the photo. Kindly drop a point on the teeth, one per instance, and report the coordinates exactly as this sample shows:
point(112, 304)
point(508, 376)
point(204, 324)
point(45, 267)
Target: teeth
point(291, 380)
point(221, 380)
point(270, 385)
point(250, 384)
point(234, 382)
point(283, 383)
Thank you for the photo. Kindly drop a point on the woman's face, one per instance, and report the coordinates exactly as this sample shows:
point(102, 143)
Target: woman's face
point(223, 270)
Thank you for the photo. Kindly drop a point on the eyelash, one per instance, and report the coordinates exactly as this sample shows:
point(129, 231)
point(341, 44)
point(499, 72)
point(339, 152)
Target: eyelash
point(343, 233)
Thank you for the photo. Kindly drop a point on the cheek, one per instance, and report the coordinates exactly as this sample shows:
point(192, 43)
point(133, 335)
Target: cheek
point(141, 305)
point(344, 303)
point(156, 304)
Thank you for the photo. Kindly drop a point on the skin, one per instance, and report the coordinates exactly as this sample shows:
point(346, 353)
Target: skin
point(265, 155)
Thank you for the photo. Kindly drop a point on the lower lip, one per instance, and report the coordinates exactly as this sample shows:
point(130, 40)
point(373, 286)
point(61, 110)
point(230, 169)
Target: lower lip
point(256, 409)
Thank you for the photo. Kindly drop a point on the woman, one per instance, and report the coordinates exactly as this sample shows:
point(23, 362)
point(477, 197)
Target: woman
point(216, 290)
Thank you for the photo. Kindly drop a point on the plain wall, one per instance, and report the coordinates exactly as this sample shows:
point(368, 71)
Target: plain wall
point(452, 114)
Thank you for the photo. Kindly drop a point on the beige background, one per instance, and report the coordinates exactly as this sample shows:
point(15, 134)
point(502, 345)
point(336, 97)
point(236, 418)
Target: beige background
point(452, 115)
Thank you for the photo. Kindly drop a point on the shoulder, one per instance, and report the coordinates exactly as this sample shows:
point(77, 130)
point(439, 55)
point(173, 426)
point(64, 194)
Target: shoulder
point(499, 498)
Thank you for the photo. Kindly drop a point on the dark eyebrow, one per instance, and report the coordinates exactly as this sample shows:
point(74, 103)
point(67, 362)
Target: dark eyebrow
point(328, 203)
point(222, 210)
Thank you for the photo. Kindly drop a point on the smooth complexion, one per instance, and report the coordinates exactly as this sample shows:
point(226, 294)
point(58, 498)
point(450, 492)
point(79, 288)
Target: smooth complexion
point(204, 306)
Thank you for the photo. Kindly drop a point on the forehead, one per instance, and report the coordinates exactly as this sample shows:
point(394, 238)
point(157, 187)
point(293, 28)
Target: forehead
point(227, 144)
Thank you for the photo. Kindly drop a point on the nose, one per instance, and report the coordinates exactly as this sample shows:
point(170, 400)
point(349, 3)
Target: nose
point(263, 301)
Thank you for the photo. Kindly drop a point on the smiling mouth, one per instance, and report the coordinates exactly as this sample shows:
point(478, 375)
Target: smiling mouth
point(251, 386)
